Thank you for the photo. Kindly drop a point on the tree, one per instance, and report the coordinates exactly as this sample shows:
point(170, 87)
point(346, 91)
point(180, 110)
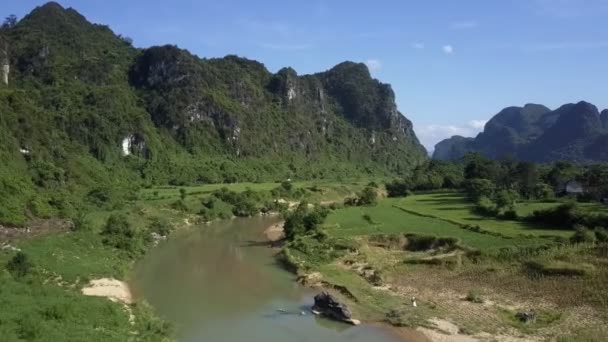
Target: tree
point(543, 191)
point(476, 188)
point(527, 176)
point(303, 221)
point(369, 196)
point(19, 266)
point(477, 166)
point(9, 22)
point(506, 199)
point(582, 235)
point(397, 188)
point(119, 233)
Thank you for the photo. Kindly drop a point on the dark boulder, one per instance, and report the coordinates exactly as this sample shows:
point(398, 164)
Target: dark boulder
point(329, 306)
point(526, 316)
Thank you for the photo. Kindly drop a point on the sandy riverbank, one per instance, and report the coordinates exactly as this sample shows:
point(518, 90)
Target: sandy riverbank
point(113, 289)
point(275, 232)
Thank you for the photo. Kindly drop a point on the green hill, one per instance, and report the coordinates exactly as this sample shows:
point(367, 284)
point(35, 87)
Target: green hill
point(573, 132)
point(86, 118)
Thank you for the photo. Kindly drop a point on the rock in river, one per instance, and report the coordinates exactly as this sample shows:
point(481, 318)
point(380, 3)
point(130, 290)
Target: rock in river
point(329, 306)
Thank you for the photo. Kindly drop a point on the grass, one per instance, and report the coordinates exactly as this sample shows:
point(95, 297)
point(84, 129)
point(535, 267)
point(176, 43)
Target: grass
point(46, 304)
point(389, 219)
point(455, 208)
point(544, 319)
point(515, 262)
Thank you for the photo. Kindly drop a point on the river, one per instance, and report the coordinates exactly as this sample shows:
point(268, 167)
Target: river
point(219, 282)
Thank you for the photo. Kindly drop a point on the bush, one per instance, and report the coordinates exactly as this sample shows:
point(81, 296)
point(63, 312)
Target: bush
point(368, 219)
point(81, 222)
point(477, 188)
point(509, 214)
point(582, 235)
point(601, 234)
point(160, 225)
point(564, 215)
point(474, 296)
point(368, 197)
point(303, 221)
point(19, 266)
point(543, 191)
point(397, 188)
point(428, 242)
point(484, 206)
point(118, 233)
point(180, 205)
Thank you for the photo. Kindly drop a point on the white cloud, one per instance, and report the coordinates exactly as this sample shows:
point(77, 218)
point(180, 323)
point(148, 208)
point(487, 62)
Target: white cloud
point(464, 25)
point(448, 49)
point(478, 124)
point(418, 46)
point(373, 65)
point(430, 135)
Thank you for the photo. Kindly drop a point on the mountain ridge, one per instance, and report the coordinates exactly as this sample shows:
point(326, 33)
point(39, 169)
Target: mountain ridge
point(572, 132)
point(92, 111)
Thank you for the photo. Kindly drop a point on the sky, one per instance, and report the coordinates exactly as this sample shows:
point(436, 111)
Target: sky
point(453, 64)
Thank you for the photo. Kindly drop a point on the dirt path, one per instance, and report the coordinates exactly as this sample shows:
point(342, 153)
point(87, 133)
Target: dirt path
point(34, 228)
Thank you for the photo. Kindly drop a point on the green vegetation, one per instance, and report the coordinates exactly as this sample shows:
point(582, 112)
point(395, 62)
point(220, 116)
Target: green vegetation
point(395, 242)
point(90, 131)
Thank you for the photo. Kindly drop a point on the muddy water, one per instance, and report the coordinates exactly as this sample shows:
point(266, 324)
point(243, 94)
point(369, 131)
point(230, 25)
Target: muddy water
point(221, 283)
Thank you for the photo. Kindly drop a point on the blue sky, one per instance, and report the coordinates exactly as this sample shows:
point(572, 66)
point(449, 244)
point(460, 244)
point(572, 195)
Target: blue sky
point(453, 64)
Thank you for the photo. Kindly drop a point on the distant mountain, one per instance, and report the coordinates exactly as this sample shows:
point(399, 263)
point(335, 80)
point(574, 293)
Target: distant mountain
point(573, 132)
point(83, 108)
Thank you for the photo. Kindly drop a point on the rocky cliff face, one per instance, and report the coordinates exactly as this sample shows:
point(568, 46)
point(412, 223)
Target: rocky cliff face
point(90, 90)
point(453, 148)
point(572, 132)
point(604, 118)
point(5, 66)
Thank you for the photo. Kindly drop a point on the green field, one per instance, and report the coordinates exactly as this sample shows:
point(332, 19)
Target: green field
point(441, 215)
point(391, 220)
point(454, 207)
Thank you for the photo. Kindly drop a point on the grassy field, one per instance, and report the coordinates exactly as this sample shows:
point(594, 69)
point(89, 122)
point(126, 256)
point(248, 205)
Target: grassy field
point(563, 283)
point(454, 207)
point(387, 218)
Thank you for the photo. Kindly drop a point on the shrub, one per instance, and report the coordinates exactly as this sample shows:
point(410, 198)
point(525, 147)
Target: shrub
point(476, 188)
point(428, 242)
point(180, 205)
point(81, 222)
point(397, 188)
point(118, 233)
point(564, 215)
point(303, 221)
point(369, 196)
point(484, 206)
point(601, 234)
point(160, 225)
point(509, 214)
point(182, 194)
point(19, 266)
point(368, 218)
point(582, 235)
point(474, 296)
point(543, 191)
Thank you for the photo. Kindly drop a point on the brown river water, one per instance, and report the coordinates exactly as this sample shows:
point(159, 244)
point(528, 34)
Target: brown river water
point(220, 282)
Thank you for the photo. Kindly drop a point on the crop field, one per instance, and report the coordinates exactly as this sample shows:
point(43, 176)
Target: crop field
point(454, 207)
point(388, 219)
